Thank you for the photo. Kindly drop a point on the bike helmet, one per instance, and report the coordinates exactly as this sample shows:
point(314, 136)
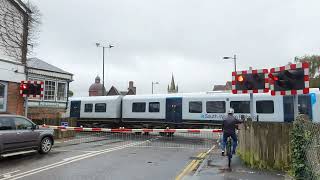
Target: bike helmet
point(231, 111)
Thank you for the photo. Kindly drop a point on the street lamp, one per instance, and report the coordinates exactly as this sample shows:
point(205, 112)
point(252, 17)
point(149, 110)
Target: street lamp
point(103, 47)
point(235, 61)
point(153, 84)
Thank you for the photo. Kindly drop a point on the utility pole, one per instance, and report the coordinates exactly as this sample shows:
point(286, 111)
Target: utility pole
point(103, 50)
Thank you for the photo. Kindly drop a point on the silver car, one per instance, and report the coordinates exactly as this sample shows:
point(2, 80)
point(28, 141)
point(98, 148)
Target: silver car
point(19, 135)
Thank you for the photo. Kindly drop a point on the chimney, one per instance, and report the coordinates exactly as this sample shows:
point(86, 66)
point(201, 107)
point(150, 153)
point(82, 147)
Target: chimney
point(130, 84)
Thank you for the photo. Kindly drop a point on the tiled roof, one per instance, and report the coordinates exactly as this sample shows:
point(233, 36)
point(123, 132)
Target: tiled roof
point(42, 65)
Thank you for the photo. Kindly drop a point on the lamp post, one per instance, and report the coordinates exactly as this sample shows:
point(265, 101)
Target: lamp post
point(103, 48)
point(153, 84)
point(235, 61)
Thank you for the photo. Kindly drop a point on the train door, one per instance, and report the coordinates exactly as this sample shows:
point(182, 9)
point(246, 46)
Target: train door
point(288, 109)
point(174, 110)
point(75, 108)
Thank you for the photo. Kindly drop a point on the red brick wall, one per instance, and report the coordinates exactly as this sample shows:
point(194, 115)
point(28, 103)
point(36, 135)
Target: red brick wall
point(45, 113)
point(15, 103)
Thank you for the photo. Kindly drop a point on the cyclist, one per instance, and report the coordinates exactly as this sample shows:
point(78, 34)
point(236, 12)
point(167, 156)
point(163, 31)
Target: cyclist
point(229, 126)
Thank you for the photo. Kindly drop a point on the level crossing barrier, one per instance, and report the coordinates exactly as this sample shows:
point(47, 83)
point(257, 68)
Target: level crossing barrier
point(155, 139)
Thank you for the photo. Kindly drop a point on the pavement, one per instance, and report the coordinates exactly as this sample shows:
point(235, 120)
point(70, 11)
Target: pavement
point(127, 156)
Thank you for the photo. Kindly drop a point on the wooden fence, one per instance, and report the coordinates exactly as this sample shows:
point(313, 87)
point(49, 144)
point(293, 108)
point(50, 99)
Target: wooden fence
point(265, 145)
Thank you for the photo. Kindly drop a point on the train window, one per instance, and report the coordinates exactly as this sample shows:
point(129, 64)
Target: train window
point(100, 107)
point(304, 105)
point(240, 106)
point(216, 106)
point(195, 107)
point(265, 107)
point(154, 107)
point(139, 107)
point(88, 107)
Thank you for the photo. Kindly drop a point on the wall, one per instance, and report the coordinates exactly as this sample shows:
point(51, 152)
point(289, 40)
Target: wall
point(265, 145)
point(45, 113)
point(11, 71)
point(15, 103)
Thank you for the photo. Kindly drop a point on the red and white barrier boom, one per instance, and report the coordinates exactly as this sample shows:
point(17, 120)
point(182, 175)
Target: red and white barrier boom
point(125, 130)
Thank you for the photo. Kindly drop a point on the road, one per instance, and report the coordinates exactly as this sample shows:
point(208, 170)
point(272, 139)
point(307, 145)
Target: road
point(117, 156)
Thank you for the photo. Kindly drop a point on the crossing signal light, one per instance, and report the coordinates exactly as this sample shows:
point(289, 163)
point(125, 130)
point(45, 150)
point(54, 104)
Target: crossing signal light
point(240, 78)
point(31, 88)
point(292, 79)
point(250, 81)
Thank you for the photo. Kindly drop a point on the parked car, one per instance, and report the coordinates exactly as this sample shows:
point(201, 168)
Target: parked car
point(19, 135)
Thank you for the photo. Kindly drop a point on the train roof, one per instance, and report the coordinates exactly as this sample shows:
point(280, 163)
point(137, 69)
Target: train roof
point(201, 94)
point(95, 98)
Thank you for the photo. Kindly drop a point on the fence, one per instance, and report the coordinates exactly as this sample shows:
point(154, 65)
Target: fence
point(175, 139)
point(265, 145)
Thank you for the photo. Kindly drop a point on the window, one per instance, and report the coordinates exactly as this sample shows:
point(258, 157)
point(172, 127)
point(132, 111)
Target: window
point(265, 107)
point(139, 107)
point(3, 97)
point(216, 107)
point(304, 105)
point(154, 107)
point(195, 107)
point(100, 107)
point(240, 106)
point(61, 92)
point(49, 90)
point(6, 124)
point(88, 107)
point(22, 124)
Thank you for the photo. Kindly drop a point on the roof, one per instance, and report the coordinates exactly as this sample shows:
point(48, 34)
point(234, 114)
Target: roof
point(96, 98)
point(21, 5)
point(36, 63)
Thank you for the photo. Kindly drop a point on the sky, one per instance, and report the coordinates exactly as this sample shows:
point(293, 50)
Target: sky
point(155, 38)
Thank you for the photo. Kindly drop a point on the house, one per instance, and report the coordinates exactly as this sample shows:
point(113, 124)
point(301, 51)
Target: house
point(56, 87)
point(226, 87)
point(13, 55)
point(97, 89)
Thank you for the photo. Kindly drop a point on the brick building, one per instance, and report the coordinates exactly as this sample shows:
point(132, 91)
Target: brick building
point(97, 89)
point(13, 52)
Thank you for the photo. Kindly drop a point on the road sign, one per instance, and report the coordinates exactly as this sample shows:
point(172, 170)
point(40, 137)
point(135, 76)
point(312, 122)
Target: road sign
point(290, 80)
point(65, 124)
point(251, 81)
point(31, 89)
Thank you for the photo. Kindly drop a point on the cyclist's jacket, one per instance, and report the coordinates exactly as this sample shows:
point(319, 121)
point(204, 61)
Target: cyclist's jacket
point(229, 124)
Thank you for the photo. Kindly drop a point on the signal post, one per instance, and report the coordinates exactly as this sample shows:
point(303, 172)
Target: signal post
point(31, 89)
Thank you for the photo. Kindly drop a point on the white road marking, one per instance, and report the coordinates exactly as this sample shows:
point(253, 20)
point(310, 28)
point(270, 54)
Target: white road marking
point(73, 159)
point(66, 150)
point(9, 174)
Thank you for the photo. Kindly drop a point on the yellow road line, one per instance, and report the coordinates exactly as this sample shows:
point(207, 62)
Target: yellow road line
point(191, 166)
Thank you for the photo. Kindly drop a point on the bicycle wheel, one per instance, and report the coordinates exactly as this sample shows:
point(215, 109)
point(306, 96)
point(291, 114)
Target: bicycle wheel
point(229, 153)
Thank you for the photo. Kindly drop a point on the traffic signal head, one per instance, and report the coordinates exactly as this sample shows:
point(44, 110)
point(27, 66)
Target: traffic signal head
point(31, 88)
point(253, 81)
point(292, 79)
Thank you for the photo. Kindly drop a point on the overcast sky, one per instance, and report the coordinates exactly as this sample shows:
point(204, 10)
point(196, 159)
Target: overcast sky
point(155, 38)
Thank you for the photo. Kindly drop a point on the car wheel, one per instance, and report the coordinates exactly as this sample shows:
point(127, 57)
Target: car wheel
point(45, 145)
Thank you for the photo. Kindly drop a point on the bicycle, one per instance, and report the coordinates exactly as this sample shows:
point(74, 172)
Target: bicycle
point(228, 150)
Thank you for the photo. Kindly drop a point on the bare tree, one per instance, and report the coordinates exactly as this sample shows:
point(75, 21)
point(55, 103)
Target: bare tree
point(18, 28)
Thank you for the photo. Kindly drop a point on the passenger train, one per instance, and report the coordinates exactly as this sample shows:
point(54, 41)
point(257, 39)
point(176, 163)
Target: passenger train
point(189, 110)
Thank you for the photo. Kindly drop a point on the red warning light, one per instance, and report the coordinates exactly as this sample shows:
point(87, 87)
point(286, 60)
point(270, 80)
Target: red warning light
point(23, 87)
point(240, 78)
point(273, 77)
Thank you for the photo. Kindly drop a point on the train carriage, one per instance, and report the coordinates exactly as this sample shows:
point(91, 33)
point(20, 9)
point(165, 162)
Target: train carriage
point(190, 110)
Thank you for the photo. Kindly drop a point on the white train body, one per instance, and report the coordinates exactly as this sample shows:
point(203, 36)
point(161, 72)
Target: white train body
point(192, 108)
